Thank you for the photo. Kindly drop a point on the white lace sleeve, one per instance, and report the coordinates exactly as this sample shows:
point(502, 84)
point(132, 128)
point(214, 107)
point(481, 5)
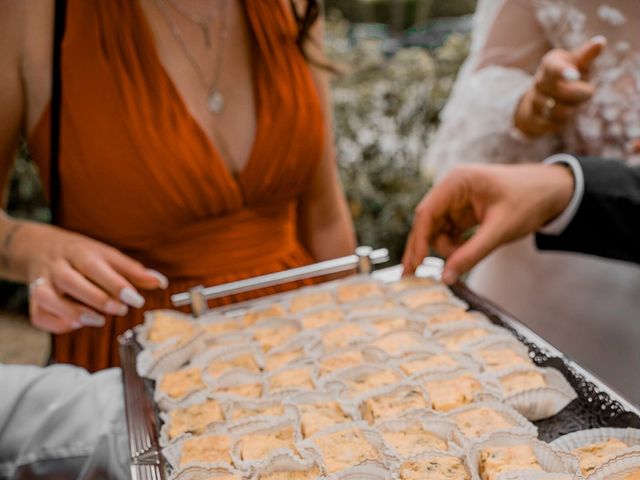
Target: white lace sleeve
point(477, 123)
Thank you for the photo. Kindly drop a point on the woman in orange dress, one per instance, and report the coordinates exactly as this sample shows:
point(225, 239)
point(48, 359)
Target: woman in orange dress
point(195, 140)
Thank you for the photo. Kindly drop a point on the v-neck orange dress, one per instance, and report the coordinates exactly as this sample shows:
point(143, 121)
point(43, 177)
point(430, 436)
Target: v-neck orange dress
point(138, 172)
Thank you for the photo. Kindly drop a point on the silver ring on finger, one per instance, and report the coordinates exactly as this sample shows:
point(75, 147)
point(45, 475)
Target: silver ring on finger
point(36, 283)
point(547, 107)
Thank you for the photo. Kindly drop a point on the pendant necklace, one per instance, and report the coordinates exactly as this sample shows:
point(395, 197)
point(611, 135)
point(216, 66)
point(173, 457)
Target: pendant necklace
point(215, 99)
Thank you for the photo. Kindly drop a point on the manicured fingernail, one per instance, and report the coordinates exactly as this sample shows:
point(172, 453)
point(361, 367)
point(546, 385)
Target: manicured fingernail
point(601, 39)
point(571, 74)
point(115, 308)
point(76, 325)
point(450, 277)
point(163, 282)
point(92, 320)
point(132, 298)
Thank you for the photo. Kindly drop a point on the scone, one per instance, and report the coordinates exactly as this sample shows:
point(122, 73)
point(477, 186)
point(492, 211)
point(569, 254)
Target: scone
point(448, 316)
point(293, 378)
point(346, 448)
point(318, 416)
point(194, 419)
point(206, 449)
point(495, 460)
point(396, 343)
point(414, 440)
point(332, 363)
point(452, 393)
point(454, 341)
point(374, 306)
point(352, 292)
point(521, 381)
point(275, 310)
point(245, 361)
point(476, 422)
point(246, 390)
point(307, 300)
point(435, 361)
point(276, 360)
point(292, 475)
point(372, 380)
point(502, 358)
point(434, 468)
point(166, 326)
point(322, 318)
point(424, 297)
point(255, 446)
point(244, 411)
point(382, 407)
point(220, 328)
point(594, 455)
point(343, 336)
point(386, 325)
point(271, 337)
point(182, 382)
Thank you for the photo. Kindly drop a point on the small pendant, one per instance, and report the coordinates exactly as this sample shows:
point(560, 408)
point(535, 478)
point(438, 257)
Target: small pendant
point(215, 103)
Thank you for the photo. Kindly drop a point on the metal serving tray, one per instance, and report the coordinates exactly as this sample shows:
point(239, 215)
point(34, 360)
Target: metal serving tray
point(597, 405)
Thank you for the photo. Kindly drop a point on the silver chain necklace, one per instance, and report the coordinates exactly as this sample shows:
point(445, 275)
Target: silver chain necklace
point(215, 99)
point(202, 21)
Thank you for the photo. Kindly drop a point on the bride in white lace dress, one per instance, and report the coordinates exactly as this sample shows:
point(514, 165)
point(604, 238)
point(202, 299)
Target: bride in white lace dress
point(587, 307)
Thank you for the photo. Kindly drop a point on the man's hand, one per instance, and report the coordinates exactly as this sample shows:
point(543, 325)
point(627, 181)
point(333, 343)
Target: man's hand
point(505, 202)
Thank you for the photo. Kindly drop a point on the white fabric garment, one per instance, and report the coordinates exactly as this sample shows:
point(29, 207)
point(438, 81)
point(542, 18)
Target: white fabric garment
point(62, 412)
point(587, 307)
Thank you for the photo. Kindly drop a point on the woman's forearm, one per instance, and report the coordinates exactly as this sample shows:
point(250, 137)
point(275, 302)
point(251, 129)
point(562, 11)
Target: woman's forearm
point(13, 265)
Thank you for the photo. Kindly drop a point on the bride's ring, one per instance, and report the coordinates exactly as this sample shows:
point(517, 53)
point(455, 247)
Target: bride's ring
point(547, 108)
point(36, 283)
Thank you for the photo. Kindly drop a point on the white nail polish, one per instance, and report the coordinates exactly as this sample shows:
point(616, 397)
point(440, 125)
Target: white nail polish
point(571, 74)
point(92, 320)
point(163, 282)
point(132, 298)
point(601, 39)
point(115, 308)
point(76, 325)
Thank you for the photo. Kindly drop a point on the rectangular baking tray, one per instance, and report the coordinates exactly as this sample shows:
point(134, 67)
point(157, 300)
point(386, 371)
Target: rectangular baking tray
point(597, 405)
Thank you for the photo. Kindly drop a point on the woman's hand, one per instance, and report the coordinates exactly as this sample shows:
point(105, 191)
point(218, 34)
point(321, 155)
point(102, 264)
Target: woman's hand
point(73, 279)
point(505, 202)
point(559, 88)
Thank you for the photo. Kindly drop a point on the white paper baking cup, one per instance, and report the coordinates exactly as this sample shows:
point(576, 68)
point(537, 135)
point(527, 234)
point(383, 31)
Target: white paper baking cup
point(166, 402)
point(368, 471)
point(474, 319)
point(500, 344)
point(520, 423)
point(618, 468)
point(204, 473)
point(371, 306)
point(386, 461)
point(355, 281)
point(462, 361)
point(493, 333)
point(308, 323)
point(236, 379)
point(391, 391)
point(364, 335)
point(539, 403)
point(383, 323)
point(441, 428)
point(254, 421)
point(320, 296)
point(406, 342)
point(324, 373)
point(212, 356)
point(428, 455)
point(343, 377)
point(284, 464)
point(349, 409)
point(412, 281)
point(166, 422)
point(268, 309)
point(549, 459)
point(444, 296)
point(143, 330)
point(283, 392)
point(173, 452)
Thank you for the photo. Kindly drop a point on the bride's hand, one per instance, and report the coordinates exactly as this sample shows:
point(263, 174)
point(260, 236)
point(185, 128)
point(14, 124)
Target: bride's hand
point(559, 87)
point(75, 280)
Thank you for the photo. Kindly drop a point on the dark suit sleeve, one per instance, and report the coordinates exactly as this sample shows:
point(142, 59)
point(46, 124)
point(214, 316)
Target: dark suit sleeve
point(607, 222)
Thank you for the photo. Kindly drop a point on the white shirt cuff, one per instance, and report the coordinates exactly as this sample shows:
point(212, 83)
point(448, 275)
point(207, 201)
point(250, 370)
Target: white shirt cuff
point(562, 221)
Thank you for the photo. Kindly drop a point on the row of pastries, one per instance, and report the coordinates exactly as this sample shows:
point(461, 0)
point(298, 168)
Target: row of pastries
point(357, 377)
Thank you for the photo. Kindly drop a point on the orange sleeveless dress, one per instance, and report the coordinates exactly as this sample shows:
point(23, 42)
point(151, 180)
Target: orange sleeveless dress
point(138, 173)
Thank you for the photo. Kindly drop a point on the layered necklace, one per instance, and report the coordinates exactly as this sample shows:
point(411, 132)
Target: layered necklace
point(215, 98)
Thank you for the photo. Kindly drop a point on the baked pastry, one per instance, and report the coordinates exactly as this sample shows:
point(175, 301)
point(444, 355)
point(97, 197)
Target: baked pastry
point(385, 325)
point(292, 475)
point(182, 382)
point(255, 446)
point(321, 318)
point(239, 412)
point(438, 360)
point(374, 306)
point(333, 363)
point(455, 341)
point(220, 328)
point(194, 419)
point(500, 358)
point(294, 378)
point(369, 381)
point(517, 382)
point(382, 407)
point(447, 316)
point(276, 360)
point(318, 416)
point(245, 361)
point(476, 422)
point(271, 337)
point(635, 475)
point(434, 468)
point(424, 297)
point(414, 440)
point(496, 460)
point(352, 292)
point(247, 390)
point(166, 326)
point(307, 300)
point(452, 393)
point(395, 343)
point(207, 449)
point(342, 336)
point(275, 310)
point(413, 282)
point(344, 449)
point(593, 455)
